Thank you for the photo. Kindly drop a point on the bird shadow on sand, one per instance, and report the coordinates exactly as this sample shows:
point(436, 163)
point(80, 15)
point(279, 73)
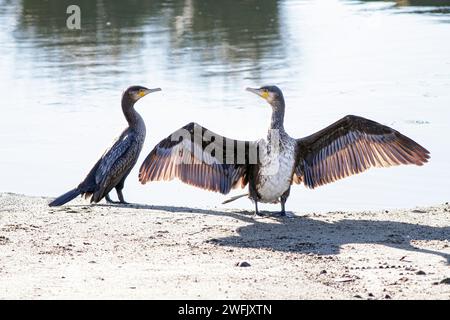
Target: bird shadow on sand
point(309, 235)
point(304, 234)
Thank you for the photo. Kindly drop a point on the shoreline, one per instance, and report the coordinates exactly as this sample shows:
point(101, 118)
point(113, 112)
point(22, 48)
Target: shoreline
point(161, 252)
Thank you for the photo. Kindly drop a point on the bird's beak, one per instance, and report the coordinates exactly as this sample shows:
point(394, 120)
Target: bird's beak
point(254, 90)
point(146, 92)
point(259, 92)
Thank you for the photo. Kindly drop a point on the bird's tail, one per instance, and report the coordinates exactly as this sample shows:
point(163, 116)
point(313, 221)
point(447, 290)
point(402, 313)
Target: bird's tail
point(66, 197)
point(235, 198)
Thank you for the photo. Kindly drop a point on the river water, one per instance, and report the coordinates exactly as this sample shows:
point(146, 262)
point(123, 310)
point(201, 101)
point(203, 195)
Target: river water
point(60, 88)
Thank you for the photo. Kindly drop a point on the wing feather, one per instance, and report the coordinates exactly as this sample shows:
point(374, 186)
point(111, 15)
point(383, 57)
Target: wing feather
point(184, 155)
point(111, 155)
point(350, 146)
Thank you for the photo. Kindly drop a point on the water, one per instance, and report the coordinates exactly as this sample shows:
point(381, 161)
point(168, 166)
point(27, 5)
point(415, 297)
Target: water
point(60, 89)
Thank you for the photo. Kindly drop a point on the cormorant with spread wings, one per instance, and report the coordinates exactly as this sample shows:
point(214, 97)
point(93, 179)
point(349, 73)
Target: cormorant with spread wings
point(269, 166)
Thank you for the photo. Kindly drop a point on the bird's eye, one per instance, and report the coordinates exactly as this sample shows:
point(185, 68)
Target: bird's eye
point(265, 93)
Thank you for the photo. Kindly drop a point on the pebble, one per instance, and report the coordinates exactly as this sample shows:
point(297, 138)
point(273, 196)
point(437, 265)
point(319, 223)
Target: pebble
point(445, 281)
point(243, 264)
point(421, 272)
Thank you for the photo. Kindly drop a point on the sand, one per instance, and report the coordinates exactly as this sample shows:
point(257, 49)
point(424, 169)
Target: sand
point(146, 252)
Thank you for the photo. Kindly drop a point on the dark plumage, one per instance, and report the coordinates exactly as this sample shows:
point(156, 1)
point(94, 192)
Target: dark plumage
point(352, 145)
point(179, 159)
point(204, 159)
point(113, 167)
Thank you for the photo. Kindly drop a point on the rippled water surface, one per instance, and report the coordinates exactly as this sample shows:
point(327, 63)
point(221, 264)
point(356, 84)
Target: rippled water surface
point(60, 89)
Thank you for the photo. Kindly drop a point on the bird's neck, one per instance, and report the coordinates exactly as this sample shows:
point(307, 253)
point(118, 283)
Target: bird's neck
point(277, 121)
point(133, 118)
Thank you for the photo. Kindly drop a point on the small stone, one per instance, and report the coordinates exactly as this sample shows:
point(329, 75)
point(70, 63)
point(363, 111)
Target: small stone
point(344, 279)
point(387, 297)
point(357, 296)
point(421, 273)
point(243, 264)
point(323, 272)
point(370, 294)
point(445, 281)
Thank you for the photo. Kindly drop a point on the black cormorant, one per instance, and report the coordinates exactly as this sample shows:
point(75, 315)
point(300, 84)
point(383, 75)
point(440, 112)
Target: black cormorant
point(113, 167)
point(349, 146)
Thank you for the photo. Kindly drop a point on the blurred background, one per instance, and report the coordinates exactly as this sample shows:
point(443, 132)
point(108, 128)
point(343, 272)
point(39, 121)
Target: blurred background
point(60, 89)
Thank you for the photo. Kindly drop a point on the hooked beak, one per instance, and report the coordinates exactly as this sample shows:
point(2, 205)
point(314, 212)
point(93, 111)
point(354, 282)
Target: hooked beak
point(254, 90)
point(260, 92)
point(146, 92)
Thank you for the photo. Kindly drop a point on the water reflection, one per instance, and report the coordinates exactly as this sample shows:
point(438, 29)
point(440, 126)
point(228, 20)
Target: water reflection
point(437, 7)
point(117, 36)
point(226, 31)
point(424, 3)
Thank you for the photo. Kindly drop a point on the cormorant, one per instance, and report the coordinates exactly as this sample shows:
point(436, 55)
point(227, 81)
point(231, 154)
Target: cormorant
point(207, 160)
point(113, 167)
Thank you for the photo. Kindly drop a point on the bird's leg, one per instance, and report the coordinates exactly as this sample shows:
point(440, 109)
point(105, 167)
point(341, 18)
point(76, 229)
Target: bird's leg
point(119, 189)
point(283, 211)
point(254, 196)
point(256, 210)
point(283, 200)
point(120, 195)
point(108, 199)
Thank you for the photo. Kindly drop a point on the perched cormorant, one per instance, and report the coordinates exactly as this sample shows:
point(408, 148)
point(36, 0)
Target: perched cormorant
point(113, 167)
point(349, 146)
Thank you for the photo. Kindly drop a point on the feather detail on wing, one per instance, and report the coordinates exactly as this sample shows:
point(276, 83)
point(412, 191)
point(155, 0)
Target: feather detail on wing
point(350, 146)
point(111, 156)
point(200, 158)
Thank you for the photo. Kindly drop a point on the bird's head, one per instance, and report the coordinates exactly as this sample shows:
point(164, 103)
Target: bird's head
point(272, 94)
point(134, 93)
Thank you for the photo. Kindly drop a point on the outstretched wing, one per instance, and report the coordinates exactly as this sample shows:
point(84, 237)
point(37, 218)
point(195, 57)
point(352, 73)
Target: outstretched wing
point(200, 158)
point(352, 145)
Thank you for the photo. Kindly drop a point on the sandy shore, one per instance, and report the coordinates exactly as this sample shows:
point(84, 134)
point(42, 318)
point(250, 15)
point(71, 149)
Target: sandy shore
point(82, 251)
